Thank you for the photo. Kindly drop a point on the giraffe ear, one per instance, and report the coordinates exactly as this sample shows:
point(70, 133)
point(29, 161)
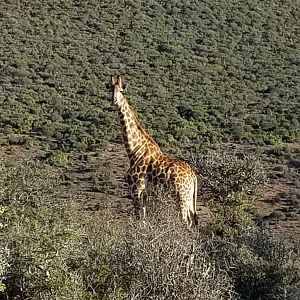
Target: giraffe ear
point(119, 81)
point(113, 81)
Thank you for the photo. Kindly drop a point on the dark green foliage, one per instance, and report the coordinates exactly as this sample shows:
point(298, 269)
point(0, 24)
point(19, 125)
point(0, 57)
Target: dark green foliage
point(198, 71)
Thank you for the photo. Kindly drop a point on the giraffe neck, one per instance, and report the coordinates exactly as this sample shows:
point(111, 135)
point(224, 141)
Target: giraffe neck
point(135, 138)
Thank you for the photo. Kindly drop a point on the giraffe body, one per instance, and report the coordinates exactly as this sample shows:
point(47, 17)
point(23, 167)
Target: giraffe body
point(149, 163)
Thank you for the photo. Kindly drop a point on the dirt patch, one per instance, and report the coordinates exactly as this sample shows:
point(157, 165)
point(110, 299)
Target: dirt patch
point(277, 212)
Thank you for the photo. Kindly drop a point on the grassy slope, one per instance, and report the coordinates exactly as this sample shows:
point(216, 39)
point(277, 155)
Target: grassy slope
point(198, 71)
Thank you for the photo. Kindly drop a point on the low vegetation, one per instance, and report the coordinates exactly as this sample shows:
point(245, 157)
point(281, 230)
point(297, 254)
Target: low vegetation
point(51, 248)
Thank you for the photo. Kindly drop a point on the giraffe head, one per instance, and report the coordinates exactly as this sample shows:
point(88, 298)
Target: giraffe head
point(116, 90)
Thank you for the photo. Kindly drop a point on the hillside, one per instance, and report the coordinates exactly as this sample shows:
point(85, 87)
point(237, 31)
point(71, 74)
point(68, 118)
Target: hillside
point(201, 75)
point(199, 72)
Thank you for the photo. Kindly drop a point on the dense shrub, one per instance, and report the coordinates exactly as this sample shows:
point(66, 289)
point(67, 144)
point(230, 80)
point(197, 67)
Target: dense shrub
point(262, 266)
point(58, 159)
point(230, 185)
point(45, 249)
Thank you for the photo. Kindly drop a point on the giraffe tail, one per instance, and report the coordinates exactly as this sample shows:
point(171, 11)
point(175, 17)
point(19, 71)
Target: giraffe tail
point(195, 217)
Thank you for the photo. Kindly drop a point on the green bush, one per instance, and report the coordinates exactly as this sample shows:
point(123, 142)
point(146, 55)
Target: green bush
point(159, 259)
point(230, 185)
point(45, 247)
point(52, 249)
point(58, 159)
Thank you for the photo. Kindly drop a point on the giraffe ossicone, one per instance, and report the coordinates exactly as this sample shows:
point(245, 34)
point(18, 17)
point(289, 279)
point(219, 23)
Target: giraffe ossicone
point(149, 163)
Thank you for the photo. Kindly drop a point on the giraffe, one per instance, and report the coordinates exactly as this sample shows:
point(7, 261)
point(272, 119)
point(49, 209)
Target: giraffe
point(149, 163)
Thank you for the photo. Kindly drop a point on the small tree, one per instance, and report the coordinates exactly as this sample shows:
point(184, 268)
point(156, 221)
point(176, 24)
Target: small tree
point(230, 186)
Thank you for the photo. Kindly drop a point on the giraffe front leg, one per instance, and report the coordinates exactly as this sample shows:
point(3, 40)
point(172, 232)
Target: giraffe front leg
point(136, 192)
point(184, 211)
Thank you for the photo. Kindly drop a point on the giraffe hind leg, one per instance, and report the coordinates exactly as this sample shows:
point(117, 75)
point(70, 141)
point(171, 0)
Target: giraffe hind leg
point(188, 212)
